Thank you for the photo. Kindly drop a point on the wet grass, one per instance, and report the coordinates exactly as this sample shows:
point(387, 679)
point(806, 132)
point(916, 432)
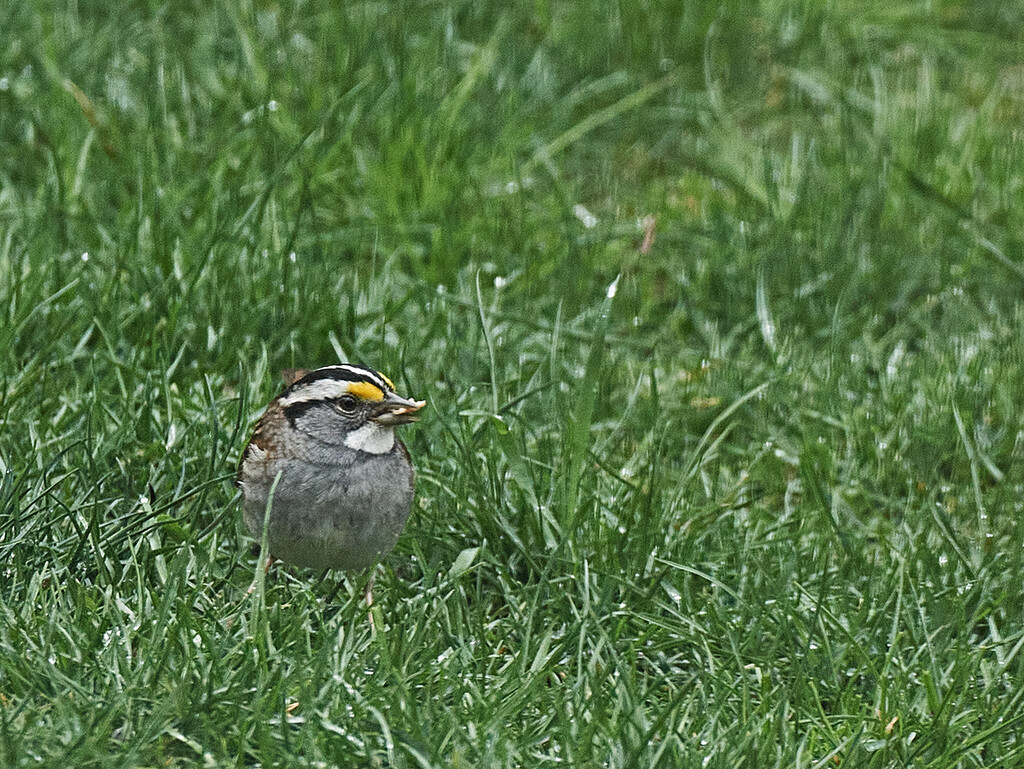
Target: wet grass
point(718, 317)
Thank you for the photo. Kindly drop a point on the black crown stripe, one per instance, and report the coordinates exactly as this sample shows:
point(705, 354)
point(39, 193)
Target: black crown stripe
point(346, 373)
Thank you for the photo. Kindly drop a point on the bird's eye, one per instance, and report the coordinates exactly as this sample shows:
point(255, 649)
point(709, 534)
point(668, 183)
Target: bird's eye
point(346, 404)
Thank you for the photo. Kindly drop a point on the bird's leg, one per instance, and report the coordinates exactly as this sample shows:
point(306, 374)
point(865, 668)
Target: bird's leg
point(368, 590)
point(266, 568)
point(368, 597)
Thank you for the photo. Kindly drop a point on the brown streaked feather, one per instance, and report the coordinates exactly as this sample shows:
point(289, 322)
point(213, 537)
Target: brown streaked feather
point(293, 375)
point(263, 436)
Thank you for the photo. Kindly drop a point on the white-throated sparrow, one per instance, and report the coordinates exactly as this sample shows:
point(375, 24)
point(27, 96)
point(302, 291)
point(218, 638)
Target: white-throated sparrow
point(344, 481)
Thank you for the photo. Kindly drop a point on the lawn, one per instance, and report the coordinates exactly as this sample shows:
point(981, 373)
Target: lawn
point(719, 314)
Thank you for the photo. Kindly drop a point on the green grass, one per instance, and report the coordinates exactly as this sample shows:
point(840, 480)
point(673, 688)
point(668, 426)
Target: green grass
point(759, 508)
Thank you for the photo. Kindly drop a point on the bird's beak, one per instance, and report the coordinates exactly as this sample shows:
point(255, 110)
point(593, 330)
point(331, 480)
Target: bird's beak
point(396, 410)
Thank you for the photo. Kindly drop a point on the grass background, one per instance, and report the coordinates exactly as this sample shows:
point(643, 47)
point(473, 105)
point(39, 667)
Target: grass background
point(759, 508)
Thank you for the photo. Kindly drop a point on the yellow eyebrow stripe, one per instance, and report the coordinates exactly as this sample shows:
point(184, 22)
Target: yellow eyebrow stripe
point(366, 391)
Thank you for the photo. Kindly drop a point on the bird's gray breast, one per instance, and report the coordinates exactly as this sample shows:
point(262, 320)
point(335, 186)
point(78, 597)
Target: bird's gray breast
point(331, 512)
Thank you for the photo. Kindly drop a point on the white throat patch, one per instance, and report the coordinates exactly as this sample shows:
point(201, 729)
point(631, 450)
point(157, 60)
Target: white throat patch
point(372, 438)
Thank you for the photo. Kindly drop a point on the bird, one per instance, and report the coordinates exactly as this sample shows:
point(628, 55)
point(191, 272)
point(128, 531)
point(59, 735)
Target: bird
point(325, 472)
